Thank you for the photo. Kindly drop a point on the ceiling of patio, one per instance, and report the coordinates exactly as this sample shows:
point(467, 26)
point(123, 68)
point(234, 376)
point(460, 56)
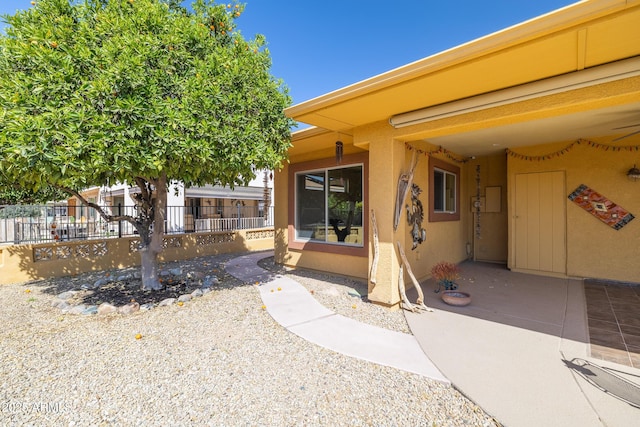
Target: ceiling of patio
point(597, 124)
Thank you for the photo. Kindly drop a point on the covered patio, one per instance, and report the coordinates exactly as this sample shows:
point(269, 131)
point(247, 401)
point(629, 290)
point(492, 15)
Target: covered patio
point(531, 350)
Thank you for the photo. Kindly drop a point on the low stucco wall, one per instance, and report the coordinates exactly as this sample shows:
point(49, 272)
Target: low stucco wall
point(21, 263)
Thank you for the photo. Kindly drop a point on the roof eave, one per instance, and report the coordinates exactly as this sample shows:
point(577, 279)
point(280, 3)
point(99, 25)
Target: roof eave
point(534, 28)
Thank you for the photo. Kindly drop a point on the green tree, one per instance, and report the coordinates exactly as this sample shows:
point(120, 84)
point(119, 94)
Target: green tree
point(138, 91)
point(13, 194)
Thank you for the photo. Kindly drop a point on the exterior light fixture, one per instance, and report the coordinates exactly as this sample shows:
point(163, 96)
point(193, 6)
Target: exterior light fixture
point(339, 151)
point(633, 173)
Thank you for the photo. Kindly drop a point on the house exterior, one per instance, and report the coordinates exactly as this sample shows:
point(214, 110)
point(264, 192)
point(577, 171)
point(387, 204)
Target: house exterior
point(520, 144)
point(206, 208)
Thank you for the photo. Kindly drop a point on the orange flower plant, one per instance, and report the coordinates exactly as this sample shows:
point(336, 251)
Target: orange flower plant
point(445, 274)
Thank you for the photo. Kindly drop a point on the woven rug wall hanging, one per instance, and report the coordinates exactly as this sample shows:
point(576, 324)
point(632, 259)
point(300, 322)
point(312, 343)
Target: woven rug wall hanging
point(605, 210)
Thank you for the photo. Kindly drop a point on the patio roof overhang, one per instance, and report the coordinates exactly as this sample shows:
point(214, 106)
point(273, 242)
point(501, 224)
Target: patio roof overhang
point(584, 60)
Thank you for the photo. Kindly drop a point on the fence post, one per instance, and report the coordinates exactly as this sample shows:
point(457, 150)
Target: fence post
point(119, 221)
point(239, 226)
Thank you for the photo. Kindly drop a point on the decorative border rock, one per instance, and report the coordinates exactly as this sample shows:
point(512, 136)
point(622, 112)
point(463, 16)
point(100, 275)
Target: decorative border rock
point(64, 300)
point(130, 308)
point(106, 308)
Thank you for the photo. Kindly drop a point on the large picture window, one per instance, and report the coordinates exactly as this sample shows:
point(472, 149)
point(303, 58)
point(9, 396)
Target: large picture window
point(329, 204)
point(444, 191)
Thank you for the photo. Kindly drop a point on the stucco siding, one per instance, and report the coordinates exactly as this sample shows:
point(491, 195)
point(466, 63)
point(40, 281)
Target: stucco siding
point(593, 248)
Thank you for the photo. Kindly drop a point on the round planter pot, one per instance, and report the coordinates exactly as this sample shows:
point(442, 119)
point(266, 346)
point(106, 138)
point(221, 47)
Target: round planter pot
point(456, 298)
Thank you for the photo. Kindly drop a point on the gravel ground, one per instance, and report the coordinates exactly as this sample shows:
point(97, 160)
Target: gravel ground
point(218, 360)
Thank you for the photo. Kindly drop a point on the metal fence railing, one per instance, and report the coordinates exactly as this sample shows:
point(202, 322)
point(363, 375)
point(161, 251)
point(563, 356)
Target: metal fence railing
point(36, 224)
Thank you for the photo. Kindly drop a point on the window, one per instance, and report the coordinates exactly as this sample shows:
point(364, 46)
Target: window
point(312, 204)
point(329, 204)
point(444, 191)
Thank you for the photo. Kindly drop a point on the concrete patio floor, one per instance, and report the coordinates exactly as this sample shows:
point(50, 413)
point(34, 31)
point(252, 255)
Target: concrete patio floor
point(521, 351)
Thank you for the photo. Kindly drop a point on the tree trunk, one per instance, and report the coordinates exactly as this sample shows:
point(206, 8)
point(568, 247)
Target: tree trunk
point(151, 208)
point(149, 270)
point(151, 243)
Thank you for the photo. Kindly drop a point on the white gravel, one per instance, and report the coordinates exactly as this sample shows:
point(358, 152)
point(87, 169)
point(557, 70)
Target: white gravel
point(218, 360)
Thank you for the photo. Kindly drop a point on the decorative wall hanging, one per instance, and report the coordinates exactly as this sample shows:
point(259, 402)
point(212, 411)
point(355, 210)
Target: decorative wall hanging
point(339, 151)
point(415, 215)
point(376, 249)
point(404, 182)
point(602, 208)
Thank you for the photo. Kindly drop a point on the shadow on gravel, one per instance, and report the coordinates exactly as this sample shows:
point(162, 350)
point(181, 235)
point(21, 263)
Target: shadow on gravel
point(120, 286)
point(359, 286)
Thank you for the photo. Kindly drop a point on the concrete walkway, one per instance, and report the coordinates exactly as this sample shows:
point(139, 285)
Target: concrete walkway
point(520, 350)
point(291, 305)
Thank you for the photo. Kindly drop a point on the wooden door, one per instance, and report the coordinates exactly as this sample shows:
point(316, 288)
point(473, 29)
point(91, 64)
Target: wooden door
point(540, 222)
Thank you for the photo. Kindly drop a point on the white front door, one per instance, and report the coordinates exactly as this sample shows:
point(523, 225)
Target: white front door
point(540, 222)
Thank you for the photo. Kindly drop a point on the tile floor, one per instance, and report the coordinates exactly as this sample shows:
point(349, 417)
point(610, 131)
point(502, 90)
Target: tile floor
point(613, 314)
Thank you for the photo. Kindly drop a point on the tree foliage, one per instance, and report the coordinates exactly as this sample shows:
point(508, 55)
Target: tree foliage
point(13, 194)
point(138, 91)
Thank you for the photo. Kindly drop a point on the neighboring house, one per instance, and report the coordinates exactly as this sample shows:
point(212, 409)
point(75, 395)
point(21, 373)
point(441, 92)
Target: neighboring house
point(207, 208)
point(516, 137)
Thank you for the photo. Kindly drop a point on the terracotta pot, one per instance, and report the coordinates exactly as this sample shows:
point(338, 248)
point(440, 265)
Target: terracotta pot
point(456, 298)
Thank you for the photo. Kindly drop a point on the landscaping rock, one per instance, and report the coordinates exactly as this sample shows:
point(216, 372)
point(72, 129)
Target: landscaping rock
point(100, 282)
point(205, 290)
point(125, 277)
point(185, 298)
point(78, 309)
point(106, 308)
point(176, 271)
point(147, 306)
point(210, 281)
point(130, 308)
point(91, 309)
point(195, 275)
point(67, 295)
point(197, 293)
point(354, 293)
point(166, 302)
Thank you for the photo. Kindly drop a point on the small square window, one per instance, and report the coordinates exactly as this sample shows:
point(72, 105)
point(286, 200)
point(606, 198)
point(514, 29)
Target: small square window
point(444, 191)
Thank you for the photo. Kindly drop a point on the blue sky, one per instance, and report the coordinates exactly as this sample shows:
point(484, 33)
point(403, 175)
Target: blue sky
point(318, 46)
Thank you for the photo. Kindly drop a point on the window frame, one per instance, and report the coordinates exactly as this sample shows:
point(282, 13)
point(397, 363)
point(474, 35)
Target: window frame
point(294, 243)
point(442, 166)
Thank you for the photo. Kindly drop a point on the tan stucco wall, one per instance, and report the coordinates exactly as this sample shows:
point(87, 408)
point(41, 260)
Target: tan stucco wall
point(312, 255)
point(388, 158)
point(593, 248)
point(492, 244)
point(21, 263)
point(446, 240)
